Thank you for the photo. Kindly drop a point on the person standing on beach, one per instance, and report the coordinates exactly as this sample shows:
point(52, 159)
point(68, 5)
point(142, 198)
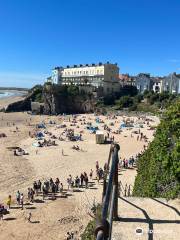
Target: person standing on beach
point(91, 174)
point(22, 201)
point(82, 179)
point(9, 201)
point(97, 165)
point(86, 180)
point(18, 197)
point(61, 188)
point(39, 185)
point(68, 183)
point(1, 213)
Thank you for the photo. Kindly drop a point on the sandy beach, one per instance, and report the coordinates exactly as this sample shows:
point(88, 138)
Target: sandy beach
point(51, 219)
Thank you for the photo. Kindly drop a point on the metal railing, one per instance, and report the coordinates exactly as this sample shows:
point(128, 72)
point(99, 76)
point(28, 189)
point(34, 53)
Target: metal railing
point(110, 197)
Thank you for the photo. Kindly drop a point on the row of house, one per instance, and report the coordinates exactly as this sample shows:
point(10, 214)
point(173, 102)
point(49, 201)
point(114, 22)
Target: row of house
point(104, 78)
point(144, 81)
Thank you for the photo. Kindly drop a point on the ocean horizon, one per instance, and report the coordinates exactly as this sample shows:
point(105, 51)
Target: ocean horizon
point(9, 93)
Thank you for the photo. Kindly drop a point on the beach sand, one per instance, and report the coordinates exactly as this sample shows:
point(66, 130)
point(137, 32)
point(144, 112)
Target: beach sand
point(52, 219)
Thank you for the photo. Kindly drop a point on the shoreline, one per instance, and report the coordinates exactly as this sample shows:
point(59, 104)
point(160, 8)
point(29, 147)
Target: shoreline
point(4, 94)
point(14, 97)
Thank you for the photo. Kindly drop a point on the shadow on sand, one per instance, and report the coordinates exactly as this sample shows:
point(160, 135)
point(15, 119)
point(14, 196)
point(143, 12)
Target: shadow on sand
point(10, 219)
point(147, 219)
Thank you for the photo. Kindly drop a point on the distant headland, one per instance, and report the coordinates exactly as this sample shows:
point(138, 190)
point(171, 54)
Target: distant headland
point(14, 88)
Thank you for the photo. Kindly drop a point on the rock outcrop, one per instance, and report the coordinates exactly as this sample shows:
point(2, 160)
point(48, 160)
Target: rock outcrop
point(56, 103)
point(19, 106)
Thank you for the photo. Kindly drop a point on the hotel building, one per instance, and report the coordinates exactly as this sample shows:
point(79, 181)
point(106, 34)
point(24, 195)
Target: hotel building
point(99, 76)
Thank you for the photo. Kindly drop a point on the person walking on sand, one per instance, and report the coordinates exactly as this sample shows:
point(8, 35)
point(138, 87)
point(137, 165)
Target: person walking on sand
point(9, 201)
point(97, 165)
point(62, 152)
point(91, 174)
point(22, 201)
point(81, 179)
point(1, 211)
point(86, 180)
point(29, 217)
point(18, 197)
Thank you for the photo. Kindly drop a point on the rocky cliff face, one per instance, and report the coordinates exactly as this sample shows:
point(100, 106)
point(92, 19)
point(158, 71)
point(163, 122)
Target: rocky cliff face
point(25, 104)
point(56, 100)
point(55, 103)
point(20, 106)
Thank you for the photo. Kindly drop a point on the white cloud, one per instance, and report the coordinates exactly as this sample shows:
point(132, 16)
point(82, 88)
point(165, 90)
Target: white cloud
point(174, 60)
point(16, 79)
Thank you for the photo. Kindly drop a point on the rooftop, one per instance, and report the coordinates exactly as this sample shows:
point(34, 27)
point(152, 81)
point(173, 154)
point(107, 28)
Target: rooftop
point(87, 65)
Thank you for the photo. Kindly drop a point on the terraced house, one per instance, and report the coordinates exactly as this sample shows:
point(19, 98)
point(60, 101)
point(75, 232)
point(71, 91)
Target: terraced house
point(95, 76)
point(171, 83)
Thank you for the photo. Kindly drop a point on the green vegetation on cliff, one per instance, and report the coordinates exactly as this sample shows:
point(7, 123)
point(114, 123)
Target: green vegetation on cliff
point(129, 99)
point(159, 167)
point(36, 93)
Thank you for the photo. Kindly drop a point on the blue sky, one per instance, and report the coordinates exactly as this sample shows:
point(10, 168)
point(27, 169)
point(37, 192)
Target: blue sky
point(36, 35)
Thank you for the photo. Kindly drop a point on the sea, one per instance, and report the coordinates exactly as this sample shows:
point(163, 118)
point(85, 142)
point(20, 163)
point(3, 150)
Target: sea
point(9, 93)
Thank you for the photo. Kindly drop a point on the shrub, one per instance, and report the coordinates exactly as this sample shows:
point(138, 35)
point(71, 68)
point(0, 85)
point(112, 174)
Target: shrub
point(124, 102)
point(88, 234)
point(159, 167)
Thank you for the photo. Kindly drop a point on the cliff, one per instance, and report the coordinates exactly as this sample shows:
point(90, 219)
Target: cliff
point(62, 99)
point(55, 99)
point(35, 94)
point(20, 106)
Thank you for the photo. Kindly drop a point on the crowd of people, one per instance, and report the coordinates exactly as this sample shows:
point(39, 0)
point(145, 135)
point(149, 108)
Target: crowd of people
point(40, 188)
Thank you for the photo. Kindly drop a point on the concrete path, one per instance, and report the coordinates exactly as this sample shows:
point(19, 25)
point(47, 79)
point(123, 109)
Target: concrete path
point(154, 219)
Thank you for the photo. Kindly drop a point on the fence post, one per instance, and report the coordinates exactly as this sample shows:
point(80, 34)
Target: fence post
point(115, 214)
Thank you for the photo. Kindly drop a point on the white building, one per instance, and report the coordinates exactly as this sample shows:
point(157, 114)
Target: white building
point(171, 83)
point(100, 75)
point(143, 82)
point(157, 84)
